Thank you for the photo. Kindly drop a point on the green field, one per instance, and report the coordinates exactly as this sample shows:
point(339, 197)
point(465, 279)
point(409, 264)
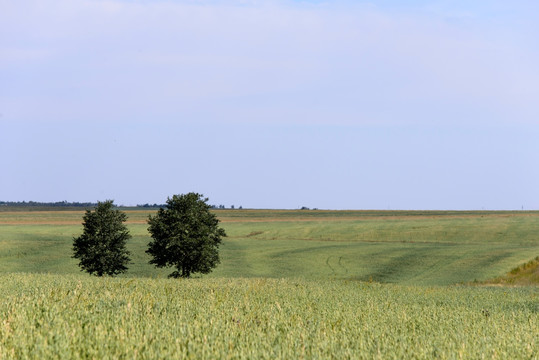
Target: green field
point(416, 248)
point(292, 284)
point(83, 317)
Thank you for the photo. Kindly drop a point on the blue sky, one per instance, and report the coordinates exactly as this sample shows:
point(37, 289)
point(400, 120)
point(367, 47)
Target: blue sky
point(272, 104)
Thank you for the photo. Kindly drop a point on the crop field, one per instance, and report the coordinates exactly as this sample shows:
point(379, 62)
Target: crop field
point(82, 317)
point(291, 284)
point(405, 247)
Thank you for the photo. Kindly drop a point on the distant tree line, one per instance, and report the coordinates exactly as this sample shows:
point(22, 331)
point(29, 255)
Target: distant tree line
point(150, 206)
point(47, 204)
point(224, 207)
point(76, 204)
point(157, 206)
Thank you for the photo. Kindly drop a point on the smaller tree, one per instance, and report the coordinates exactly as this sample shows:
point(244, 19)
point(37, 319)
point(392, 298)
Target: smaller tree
point(101, 247)
point(185, 235)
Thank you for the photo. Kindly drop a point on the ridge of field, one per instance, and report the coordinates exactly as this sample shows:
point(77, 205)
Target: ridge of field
point(407, 247)
point(523, 275)
point(51, 316)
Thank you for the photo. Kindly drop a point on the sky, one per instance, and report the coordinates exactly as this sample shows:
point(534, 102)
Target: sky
point(271, 103)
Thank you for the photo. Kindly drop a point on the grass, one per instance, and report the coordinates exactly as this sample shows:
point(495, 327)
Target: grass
point(523, 275)
point(292, 284)
point(82, 317)
point(414, 248)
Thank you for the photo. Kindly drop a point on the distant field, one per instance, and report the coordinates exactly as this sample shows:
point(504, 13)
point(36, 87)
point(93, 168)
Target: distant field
point(406, 247)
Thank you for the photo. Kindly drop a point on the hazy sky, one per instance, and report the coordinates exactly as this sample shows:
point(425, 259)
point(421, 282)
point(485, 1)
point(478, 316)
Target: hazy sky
point(272, 104)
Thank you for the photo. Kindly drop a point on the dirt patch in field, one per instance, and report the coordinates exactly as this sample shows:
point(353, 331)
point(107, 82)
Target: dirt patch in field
point(256, 216)
point(55, 222)
point(51, 218)
point(284, 219)
point(366, 218)
point(39, 223)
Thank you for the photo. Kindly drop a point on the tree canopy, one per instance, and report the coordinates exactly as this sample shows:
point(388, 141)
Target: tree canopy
point(185, 235)
point(101, 247)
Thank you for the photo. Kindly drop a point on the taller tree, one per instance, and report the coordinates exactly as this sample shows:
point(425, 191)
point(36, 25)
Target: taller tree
point(185, 235)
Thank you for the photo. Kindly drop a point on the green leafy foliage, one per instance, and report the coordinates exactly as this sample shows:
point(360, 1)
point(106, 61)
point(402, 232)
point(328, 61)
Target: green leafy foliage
point(185, 235)
point(101, 249)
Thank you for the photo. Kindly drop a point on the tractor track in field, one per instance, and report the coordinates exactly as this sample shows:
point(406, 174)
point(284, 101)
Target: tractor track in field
point(339, 263)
